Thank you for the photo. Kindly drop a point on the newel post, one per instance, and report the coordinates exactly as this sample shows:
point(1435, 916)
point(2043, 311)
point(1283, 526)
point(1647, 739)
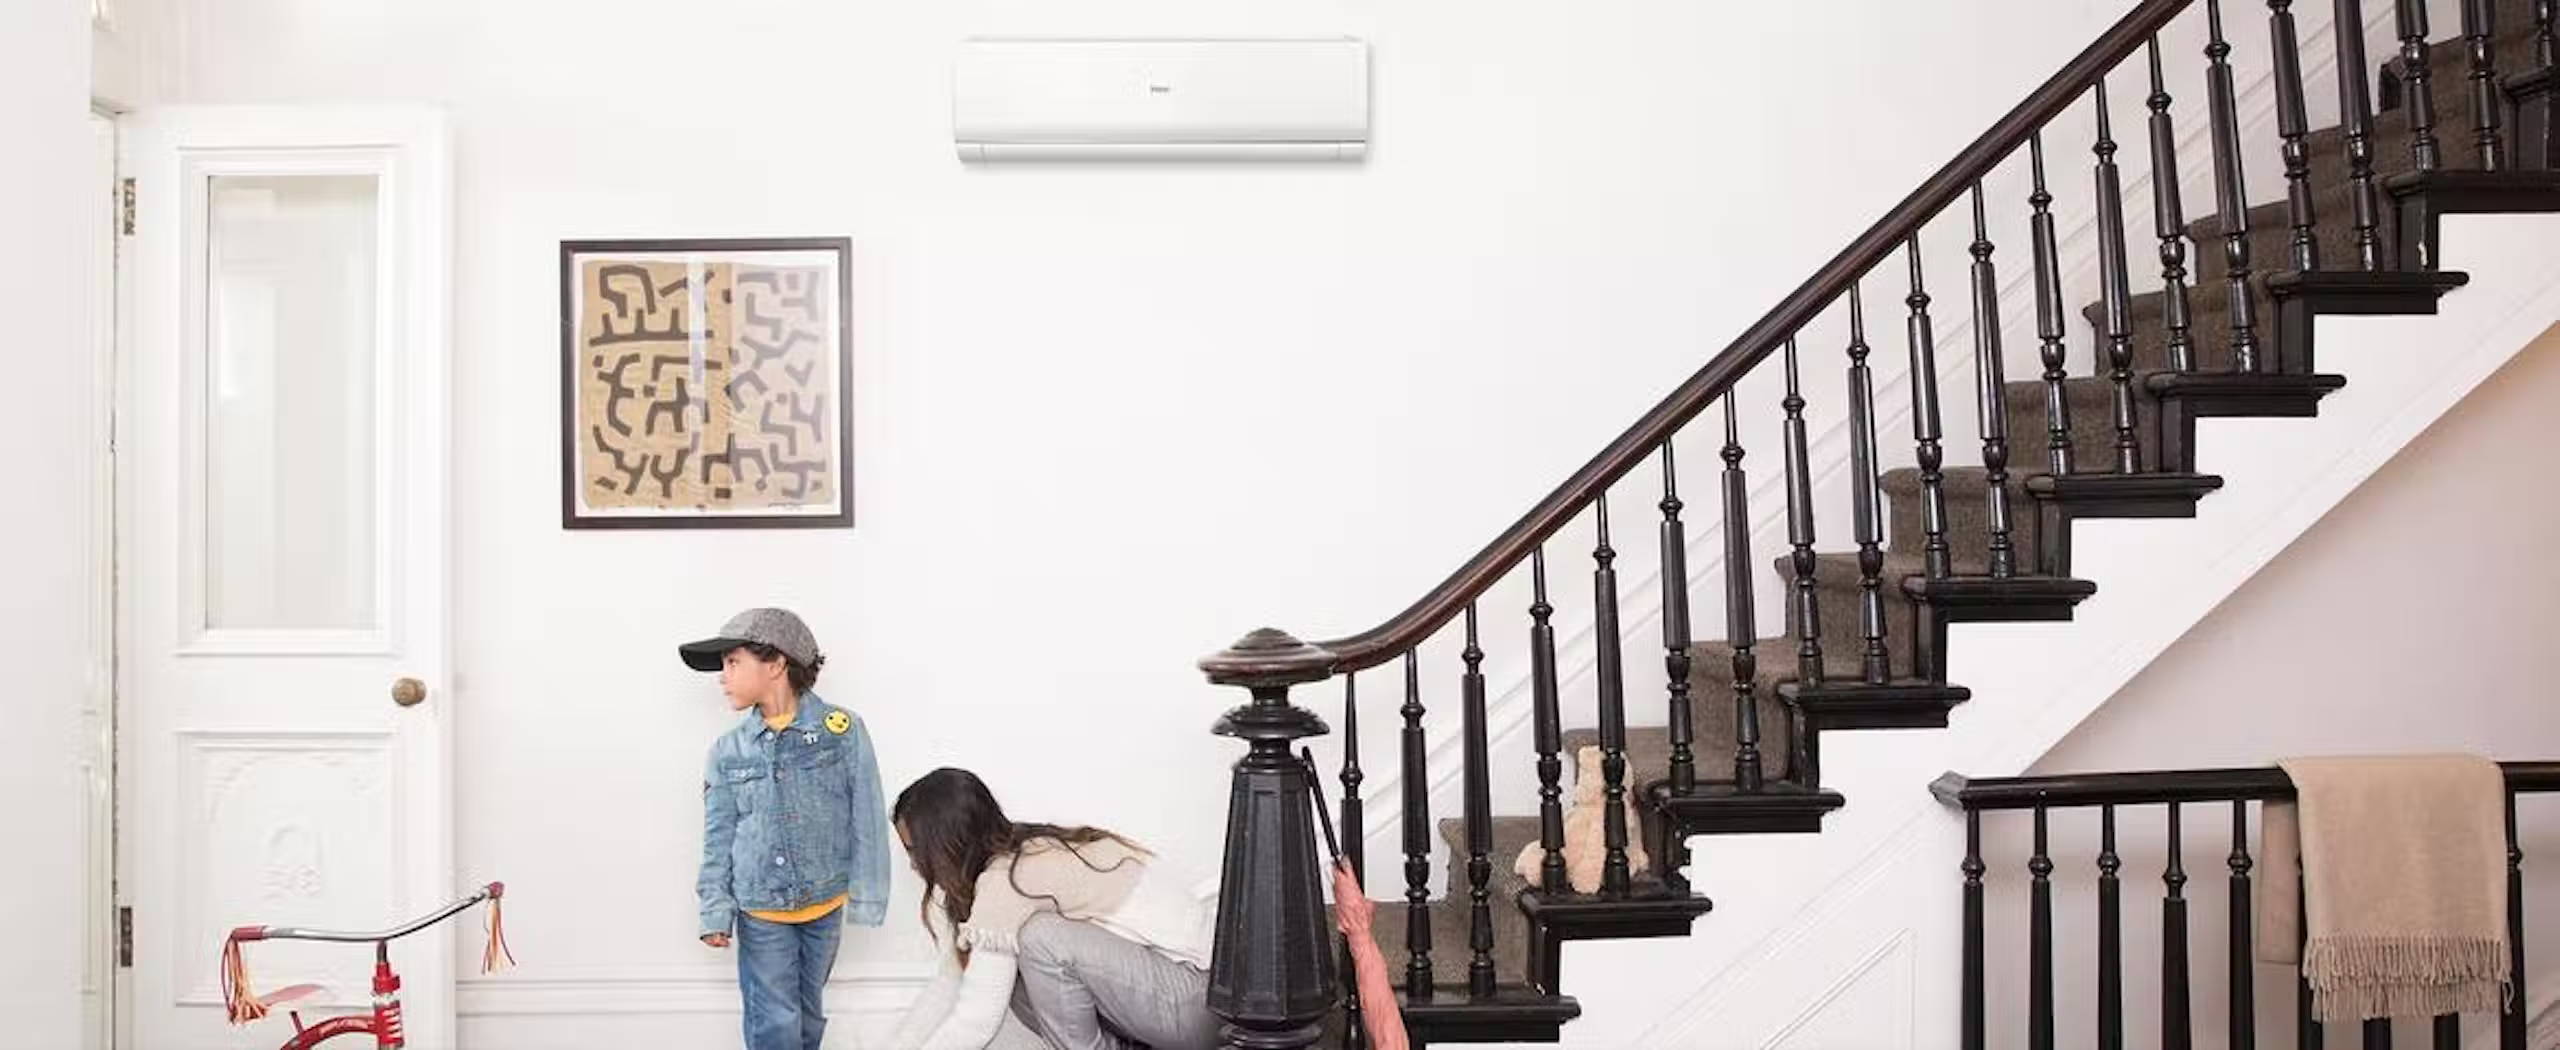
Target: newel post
point(1271, 975)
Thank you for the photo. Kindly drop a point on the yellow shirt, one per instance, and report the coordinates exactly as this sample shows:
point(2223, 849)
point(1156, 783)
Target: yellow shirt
point(823, 908)
point(812, 913)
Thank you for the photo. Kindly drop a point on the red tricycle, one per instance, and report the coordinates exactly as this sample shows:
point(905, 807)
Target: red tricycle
point(384, 1023)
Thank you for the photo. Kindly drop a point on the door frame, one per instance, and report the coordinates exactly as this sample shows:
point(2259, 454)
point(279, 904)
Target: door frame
point(102, 975)
point(411, 145)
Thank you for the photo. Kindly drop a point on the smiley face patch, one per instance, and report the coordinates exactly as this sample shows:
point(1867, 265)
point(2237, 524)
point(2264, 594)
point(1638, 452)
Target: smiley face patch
point(838, 722)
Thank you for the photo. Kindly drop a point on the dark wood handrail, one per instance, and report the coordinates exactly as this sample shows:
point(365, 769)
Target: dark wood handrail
point(2176, 785)
point(1408, 628)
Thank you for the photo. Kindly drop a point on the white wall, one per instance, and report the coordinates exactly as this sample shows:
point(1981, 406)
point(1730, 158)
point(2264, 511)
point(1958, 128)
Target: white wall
point(2410, 619)
point(47, 617)
point(1068, 379)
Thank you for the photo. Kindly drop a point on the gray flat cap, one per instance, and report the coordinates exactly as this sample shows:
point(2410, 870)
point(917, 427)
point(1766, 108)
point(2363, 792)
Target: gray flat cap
point(779, 628)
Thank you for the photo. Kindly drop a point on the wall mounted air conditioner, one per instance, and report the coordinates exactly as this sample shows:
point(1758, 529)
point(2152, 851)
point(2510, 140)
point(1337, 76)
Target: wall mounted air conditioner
point(1053, 99)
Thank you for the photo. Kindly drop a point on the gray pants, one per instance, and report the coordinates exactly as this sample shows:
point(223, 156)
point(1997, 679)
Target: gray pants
point(1082, 987)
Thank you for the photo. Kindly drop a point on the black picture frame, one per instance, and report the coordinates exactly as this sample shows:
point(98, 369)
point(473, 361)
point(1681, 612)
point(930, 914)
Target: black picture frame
point(575, 513)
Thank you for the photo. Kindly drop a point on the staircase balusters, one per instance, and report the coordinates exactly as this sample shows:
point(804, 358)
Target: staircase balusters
point(2237, 789)
point(2511, 1023)
point(2293, 124)
point(2538, 108)
point(1479, 812)
point(1614, 875)
point(1355, 849)
point(2536, 116)
point(2176, 1018)
point(2309, 1033)
point(1801, 557)
point(2230, 194)
point(2243, 985)
point(1741, 626)
point(2488, 101)
point(1548, 714)
point(2110, 935)
point(2307, 1030)
point(2118, 297)
point(2417, 88)
point(2355, 110)
point(1874, 663)
point(1675, 625)
point(1355, 844)
point(2040, 943)
point(2546, 34)
point(1927, 428)
point(1417, 840)
point(2168, 218)
point(1973, 994)
point(2049, 317)
point(1991, 386)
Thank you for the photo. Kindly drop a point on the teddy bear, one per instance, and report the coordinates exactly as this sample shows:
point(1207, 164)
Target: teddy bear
point(1585, 848)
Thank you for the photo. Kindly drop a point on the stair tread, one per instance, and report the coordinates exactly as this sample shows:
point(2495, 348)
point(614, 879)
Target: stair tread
point(1451, 922)
point(1779, 806)
point(1506, 996)
point(1451, 911)
point(1450, 1002)
point(1513, 833)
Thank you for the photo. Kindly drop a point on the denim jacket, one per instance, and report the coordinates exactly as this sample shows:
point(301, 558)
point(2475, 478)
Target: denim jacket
point(793, 817)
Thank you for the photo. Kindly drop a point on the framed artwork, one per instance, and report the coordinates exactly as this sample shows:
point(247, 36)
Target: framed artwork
point(705, 384)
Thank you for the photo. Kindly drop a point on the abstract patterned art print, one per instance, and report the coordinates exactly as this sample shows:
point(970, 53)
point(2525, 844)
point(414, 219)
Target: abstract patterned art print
point(705, 383)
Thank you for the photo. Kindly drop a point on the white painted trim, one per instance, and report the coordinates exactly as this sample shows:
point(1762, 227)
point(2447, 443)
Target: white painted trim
point(198, 166)
point(98, 554)
point(1509, 711)
point(1901, 943)
point(193, 745)
point(2541, 1032)
point(617, 993)
point(1688, 1023)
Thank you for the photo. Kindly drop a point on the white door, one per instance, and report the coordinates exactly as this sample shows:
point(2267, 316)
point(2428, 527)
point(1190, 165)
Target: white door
point(282, 560)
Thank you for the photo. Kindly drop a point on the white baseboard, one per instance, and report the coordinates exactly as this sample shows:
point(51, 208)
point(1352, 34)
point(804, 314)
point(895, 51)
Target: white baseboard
point(667, 991)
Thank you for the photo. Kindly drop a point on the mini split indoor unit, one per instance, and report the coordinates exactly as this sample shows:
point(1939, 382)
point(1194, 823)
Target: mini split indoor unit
point(1057, 99)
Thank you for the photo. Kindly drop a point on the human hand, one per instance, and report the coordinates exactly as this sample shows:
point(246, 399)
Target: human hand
point(1352, 909)
point(716, 940)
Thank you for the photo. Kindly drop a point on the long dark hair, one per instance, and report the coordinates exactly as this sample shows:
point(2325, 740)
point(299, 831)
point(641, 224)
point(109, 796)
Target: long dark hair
point(955, 829)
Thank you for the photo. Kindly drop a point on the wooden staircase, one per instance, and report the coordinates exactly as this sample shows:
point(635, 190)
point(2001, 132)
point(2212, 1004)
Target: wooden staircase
point(1870, 601)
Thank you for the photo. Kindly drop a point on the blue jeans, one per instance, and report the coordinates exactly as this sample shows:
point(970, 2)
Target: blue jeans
point(782, 976)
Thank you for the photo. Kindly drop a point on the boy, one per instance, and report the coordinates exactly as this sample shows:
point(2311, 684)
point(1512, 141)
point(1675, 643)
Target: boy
point(794, 834)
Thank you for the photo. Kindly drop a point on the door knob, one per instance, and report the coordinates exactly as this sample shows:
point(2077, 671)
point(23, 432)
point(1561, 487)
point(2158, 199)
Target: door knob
point(408, 692)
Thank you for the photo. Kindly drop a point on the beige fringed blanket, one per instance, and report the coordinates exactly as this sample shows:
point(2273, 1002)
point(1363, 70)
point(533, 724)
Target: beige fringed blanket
point(2402, 861)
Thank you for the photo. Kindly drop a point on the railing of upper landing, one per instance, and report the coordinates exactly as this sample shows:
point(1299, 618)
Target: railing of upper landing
point(2213, 796)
